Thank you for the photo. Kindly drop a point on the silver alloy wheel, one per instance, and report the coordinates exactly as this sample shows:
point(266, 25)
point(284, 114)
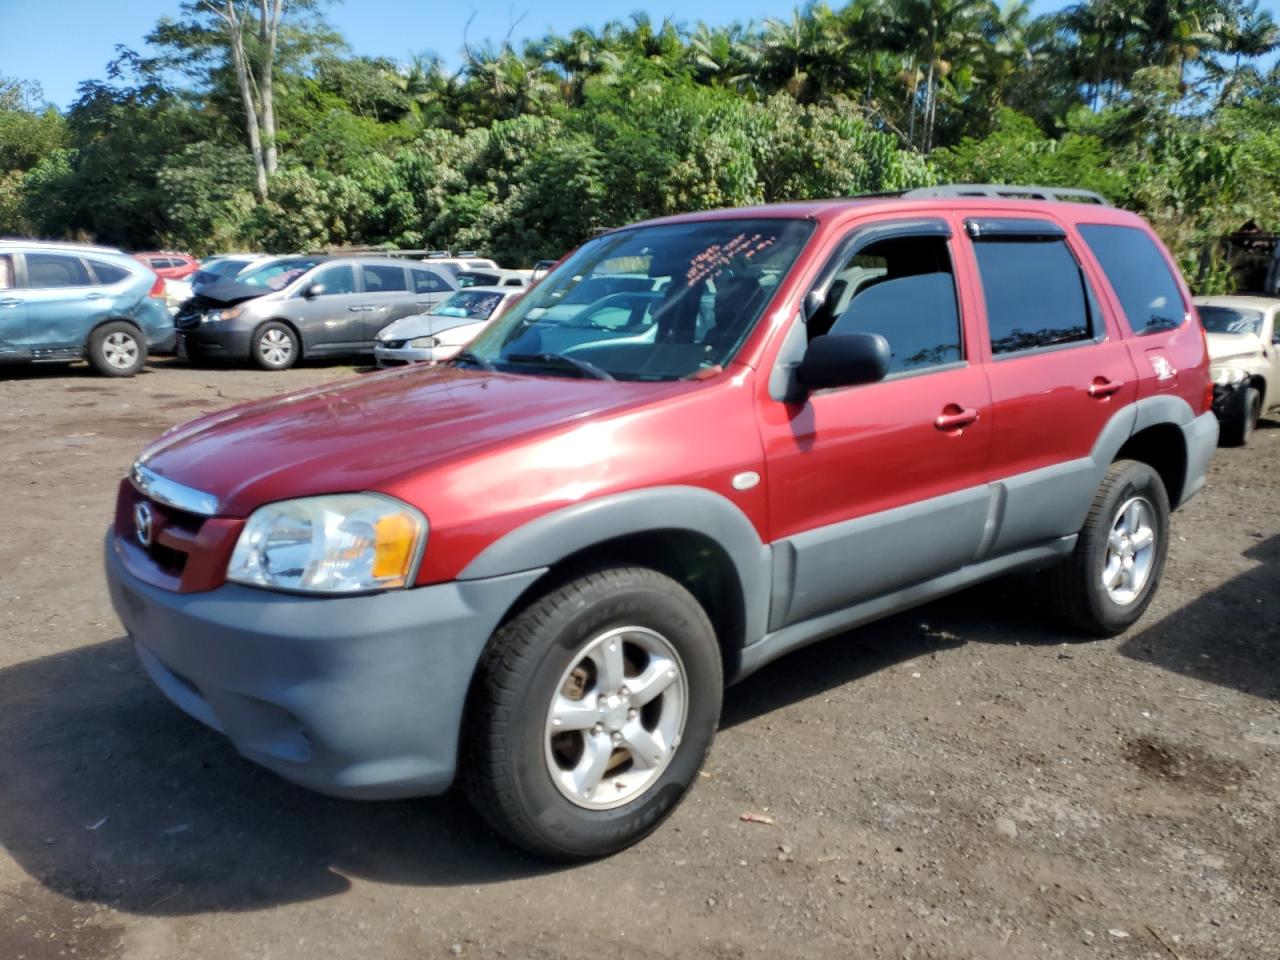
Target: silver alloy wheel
point(616, 718)
point(1131, 551)
point(120, 350)
point(275, 346)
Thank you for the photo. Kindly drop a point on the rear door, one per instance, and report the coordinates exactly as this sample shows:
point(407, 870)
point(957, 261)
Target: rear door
point(63, 301)
point(386, 291)
point(1059, 371)
point(15, 333)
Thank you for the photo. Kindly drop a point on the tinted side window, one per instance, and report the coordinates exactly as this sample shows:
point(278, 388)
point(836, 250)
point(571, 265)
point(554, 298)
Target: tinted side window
point(336, 280)
point(55, 270)
point(1139, 275)
point(1035, 294)
point(108, 273)
point(424, 281)
point(902, 289)
point(382, 279)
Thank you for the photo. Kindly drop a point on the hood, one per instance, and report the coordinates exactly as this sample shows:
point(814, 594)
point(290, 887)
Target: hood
point(229, 291)
point(1233, 346)
point(422, 325)
point(366, 433)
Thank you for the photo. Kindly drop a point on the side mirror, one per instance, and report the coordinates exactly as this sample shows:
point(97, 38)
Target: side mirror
point(313, 291)
point(843, 360)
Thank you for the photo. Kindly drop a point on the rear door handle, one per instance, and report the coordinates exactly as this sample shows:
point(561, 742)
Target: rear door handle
point(955, 417)
point(1102, 387)
point(362, 309)
point(10, 302)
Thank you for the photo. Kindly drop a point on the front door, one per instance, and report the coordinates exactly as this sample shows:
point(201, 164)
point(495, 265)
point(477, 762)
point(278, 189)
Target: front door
point(876, 487)
point(1059, 372)
point(332, 321)
point(15, 333)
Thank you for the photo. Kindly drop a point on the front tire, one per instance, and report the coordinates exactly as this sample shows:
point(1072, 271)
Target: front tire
point(117, 349)
point(275, 346)
point(592, 712)
point(1111, 577)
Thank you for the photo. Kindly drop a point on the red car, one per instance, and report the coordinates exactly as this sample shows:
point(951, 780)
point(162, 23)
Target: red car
point(170, 266)
point(534, 570)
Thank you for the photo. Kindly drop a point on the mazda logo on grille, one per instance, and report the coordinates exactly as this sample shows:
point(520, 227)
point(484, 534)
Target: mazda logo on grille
point(142, 523)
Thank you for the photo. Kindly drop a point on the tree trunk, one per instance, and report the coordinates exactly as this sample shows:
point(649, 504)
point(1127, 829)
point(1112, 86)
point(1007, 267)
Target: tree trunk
point(240, 62)
point(268, 29)
point(930, 95)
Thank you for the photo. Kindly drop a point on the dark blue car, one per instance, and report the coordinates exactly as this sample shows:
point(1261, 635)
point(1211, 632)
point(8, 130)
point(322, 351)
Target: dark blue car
point(62, 302)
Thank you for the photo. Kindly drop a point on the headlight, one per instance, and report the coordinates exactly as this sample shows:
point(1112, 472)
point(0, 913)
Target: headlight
point(1226, 376)
point(214, 316)
point(345, 543)
point(424, 343)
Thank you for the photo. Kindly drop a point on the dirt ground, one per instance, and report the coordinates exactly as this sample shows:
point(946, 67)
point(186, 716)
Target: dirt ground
point(963, 781)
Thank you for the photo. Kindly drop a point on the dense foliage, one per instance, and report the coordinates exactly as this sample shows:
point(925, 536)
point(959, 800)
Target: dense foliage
point(1162, 105)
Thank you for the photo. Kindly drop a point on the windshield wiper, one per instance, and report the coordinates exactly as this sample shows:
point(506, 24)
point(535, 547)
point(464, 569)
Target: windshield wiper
point(560, 360)
point(466, 356)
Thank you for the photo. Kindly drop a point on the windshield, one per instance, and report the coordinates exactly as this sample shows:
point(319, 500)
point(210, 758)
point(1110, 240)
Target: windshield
point(470, 304)
point(277, 274)
point(1231, 320)
point(652, 303)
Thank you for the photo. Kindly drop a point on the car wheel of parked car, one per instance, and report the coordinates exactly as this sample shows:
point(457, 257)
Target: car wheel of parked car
point(592, 712)
point(117, 349)
point(1112, 575)
point(1239, 428)
point(275, 346)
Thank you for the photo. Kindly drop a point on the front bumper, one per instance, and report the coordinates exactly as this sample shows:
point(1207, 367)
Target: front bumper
point(359, 697)
point(207, 341)
point(402, 356)
point(1227, 399)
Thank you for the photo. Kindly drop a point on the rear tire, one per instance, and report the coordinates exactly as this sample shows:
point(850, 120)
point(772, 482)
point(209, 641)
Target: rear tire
point(117, 349)
point(274, 346)
point(1111, 577)
point(591, 714)
point(1239, 428)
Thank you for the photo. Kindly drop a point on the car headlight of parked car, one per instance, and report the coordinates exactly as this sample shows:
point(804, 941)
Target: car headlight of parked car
point(1226, 376)
point(347, 543)
point(230, 313)
point(424, 343)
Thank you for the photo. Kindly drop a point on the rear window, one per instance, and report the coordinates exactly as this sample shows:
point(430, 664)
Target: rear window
point(56, 270)
point(108, 273)
point(382, 279)
point(1231, 320)
point(1035, 294)
point(1139, 274)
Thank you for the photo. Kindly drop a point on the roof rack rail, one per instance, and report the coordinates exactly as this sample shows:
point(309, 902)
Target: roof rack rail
point(1008, 192)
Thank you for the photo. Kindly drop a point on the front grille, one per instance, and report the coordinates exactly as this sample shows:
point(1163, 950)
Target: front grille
point(394, 344)
point(173, 533)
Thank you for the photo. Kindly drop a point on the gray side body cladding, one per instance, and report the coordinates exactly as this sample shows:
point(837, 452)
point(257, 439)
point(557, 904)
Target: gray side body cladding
point(820, 582)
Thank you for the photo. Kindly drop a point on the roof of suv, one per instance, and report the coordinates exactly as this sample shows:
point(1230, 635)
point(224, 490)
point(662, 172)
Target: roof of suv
point(14, 242)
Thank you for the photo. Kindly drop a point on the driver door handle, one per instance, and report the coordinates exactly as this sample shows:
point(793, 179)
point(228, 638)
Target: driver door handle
point(956, 417)
point(1102, 387)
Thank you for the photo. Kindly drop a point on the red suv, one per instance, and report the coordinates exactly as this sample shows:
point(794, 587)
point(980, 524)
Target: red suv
point(534, 569)
point(170, 266)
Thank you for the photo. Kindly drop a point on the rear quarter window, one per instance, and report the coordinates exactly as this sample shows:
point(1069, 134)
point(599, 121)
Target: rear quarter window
point(1139, 274)
point(108, 273)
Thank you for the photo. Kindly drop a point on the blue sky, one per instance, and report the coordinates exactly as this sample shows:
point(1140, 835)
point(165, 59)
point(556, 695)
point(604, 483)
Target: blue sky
point(61, 42)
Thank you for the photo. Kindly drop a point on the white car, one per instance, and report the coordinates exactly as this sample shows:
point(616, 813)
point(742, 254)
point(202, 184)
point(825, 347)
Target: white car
point(443, 331)
point(1244, 360)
